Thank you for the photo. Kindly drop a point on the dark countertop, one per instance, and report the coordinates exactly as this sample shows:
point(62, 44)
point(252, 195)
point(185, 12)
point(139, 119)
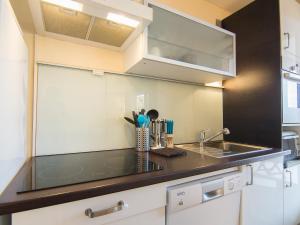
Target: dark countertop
point(174, 168)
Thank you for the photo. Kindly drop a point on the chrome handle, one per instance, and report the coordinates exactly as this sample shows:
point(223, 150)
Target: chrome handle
point(119, 207)
point(291, 76)
point(291, 182)
point(288, 39)
point(251, 176)
point(211, 195)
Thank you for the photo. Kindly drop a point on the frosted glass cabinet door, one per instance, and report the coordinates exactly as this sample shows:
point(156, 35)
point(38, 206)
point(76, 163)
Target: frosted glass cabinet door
point(262, 200)
point(183, 39)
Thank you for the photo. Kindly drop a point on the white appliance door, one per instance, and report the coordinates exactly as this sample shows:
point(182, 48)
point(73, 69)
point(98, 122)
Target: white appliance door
point(291, 97)
point(292, 194)
point(221, 211)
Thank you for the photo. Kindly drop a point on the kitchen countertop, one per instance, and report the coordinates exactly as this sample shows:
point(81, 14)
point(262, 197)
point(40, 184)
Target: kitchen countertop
point(173, 168)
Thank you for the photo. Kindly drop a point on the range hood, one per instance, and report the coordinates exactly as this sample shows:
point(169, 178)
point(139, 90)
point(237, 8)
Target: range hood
point(113, 24)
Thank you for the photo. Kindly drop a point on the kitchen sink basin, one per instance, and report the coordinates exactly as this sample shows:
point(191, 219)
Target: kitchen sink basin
point(222, 149)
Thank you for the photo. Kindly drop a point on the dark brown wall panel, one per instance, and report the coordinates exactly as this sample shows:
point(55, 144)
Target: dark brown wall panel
point(252, 100)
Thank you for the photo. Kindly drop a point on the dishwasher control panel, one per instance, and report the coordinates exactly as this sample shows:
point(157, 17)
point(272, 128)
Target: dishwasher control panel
point(190, 194)
point(233, 183)
point(184, 196)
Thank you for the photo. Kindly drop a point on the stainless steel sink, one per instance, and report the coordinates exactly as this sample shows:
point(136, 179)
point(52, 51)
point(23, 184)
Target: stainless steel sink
point(223, 149)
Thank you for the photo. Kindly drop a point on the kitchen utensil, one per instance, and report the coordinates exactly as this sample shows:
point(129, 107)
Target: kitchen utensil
point(153, 114)
point(141, 120)
point(158, 134)
point(147, 121)
point(170, 126)
point(129, 120)
point(135, 118)
point(143, 111)
point(170, 140)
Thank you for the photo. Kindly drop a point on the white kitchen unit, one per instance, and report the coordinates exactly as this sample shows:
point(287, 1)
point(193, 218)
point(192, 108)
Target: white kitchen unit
point(122, 208)
point(292, 193)
point(290, 33)
point(290, 51)
point(262, 198)
point(214, 201)
point(140, 206)
point(199, 53)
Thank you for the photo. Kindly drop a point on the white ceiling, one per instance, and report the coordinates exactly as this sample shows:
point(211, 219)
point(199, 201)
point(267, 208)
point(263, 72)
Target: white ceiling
point(231, 5)
point(23, 13)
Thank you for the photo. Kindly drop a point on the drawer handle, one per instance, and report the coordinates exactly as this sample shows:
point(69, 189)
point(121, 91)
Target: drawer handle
point(291, 177)
point(119, 207)
point(251, 176)
point(288, 40)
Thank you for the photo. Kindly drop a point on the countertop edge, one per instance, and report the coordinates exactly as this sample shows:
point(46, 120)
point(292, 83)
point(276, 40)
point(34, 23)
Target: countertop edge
point(65, 197)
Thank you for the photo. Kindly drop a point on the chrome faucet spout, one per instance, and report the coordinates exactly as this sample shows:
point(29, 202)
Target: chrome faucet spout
point(204, 140)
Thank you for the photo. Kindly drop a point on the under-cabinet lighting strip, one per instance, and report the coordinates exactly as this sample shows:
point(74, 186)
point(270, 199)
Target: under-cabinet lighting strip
point(101, 73)
point(165, 79)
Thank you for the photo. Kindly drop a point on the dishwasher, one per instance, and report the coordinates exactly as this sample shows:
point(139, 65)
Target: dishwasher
point(210, 201)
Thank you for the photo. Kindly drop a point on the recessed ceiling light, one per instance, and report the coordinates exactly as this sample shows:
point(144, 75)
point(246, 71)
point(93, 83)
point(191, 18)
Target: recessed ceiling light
point(122, 20)
point(68, 4)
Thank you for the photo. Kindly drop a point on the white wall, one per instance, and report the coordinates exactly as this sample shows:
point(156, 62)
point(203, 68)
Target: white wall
point(78, 111)
point(29, 39)
point(76, 55)
point(199, 8)
point(13, 93)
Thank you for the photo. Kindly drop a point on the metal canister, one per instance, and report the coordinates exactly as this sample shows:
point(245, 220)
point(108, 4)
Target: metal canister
point(142, 139)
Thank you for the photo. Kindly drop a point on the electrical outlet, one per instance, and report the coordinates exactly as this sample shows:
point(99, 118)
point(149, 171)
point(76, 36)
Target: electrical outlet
point(140, 102)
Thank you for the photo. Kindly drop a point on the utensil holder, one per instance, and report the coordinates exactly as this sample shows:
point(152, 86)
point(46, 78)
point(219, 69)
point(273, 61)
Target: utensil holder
point(142, 139)
point(170, 140)
point(143, 161)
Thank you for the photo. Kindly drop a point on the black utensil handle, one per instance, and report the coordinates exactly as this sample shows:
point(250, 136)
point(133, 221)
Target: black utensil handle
point(129, 120)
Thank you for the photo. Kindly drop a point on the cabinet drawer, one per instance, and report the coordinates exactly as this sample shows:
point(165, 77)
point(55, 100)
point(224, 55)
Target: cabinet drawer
point(138, 201)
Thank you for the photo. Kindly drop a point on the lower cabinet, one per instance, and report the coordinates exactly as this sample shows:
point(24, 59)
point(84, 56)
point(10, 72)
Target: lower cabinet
point(154, 217)
point(137, 206)
point(292, 194)
point(262, 197)
point(271, 197)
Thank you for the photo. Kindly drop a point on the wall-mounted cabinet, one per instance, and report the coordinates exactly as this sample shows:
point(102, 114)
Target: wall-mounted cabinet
point(180, 47)
point(290, 33)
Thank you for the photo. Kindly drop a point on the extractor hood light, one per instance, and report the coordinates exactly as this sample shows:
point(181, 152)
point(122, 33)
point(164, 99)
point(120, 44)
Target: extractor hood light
point(68, 4)
point(122, 20)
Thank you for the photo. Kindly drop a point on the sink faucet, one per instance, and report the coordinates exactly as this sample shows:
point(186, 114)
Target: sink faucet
point(203, 138)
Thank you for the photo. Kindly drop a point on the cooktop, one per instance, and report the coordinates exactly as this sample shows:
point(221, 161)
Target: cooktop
point(61, 170)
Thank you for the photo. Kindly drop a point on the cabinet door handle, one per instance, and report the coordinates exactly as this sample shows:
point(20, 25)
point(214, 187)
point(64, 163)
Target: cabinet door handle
point(288, 40)
point(119, 207)
point(291, 177)
point(251, 176)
